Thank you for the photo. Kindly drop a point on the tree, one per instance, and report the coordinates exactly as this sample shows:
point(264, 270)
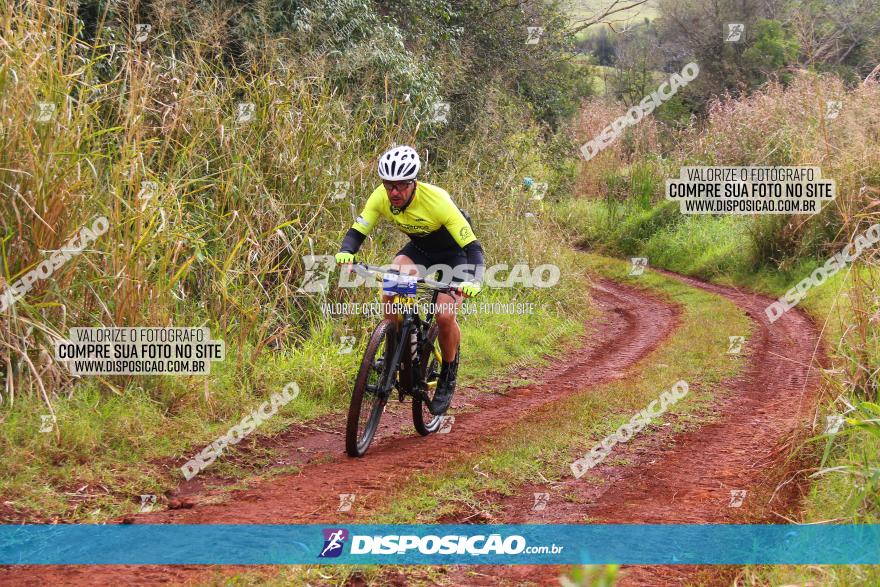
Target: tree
point(772, 50)
point(638, 60)
point(695, 30)
point(840, 33)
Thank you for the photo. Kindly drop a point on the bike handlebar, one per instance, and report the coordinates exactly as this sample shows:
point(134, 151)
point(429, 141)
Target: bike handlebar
point(364, 270)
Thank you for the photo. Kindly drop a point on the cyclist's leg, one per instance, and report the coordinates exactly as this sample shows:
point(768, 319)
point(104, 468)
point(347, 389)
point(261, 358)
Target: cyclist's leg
point(450, 334)
point(449, 337)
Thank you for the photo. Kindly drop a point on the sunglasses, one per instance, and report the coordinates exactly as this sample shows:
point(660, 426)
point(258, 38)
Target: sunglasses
point(399, 186)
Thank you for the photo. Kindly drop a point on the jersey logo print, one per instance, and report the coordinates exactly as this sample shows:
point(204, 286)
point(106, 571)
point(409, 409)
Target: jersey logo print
point(414, 228)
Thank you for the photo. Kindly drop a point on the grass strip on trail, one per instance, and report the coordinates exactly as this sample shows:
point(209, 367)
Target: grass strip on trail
point(551, 438)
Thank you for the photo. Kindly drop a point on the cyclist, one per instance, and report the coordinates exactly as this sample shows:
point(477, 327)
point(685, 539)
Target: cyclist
point(439, 234)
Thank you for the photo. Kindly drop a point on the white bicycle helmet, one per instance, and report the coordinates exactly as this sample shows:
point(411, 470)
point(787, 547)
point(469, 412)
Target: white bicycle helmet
point(399, 164)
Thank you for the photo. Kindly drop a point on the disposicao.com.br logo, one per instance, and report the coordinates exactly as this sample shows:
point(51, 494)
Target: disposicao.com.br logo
point(480, 544)
point(334, 541)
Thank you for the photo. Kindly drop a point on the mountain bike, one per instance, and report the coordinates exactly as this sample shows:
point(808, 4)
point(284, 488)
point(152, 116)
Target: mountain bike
point(403, 355)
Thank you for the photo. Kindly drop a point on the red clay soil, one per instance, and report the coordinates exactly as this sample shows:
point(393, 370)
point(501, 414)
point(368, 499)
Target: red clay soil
point(687, 478)
point(632, 324)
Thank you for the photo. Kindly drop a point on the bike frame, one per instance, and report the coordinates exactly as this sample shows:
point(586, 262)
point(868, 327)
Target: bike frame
point(414, 384)
point(411, 321)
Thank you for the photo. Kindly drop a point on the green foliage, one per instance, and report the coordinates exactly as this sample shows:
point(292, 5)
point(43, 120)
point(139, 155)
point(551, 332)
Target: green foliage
point(773, 48)
point(555, 92)
point(862, 429)
point(840, 37)
point(637, 65)
point(675, 112)
point(367, 54)
point(543, 74)
point(602, 44)
point(591, 576)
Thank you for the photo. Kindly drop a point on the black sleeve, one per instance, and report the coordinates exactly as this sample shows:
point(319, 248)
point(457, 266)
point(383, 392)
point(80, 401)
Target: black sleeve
point(352, 241)
point(475, 257)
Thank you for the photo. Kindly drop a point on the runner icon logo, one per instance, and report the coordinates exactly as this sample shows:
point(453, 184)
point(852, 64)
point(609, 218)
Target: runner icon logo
point(735, 344)
point(735, 32)
point(737, 496)
point(334, 540)
point(541, 501)
point(346, 345)
point(638, 265)
point(446, 424)
point(148, 502)
point(346, 500)
point(833, 424)
point(47, 423)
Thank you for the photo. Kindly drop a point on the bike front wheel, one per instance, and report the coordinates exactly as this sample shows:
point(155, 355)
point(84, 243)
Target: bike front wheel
point(368, 397)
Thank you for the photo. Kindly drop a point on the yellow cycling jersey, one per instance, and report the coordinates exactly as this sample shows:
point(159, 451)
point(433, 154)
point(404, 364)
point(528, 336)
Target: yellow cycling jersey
point(431, 219)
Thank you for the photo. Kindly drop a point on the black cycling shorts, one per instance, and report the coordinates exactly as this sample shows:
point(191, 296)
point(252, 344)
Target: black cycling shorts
point(450, 257)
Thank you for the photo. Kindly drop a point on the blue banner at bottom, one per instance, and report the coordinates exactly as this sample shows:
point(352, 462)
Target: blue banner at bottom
point(439, 544)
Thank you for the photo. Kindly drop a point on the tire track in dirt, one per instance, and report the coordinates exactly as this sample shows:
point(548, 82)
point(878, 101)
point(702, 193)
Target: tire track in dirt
point(688, 478)
point(632, 324)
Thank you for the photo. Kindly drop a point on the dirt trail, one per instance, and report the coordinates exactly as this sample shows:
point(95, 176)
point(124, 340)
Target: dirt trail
point(683, 478)
point(632, 324)
point(688, 478)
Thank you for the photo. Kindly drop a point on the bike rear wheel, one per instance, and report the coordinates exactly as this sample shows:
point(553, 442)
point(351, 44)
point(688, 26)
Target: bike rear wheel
point(368, 399)
point(430, 361)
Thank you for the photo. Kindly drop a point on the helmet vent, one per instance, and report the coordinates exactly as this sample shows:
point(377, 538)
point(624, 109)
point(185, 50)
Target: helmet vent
point(400, 163)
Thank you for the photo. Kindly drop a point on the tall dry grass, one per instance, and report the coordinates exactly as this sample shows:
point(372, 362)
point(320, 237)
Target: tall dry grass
point(774, 126)
point(236, 204)
point(209, 218)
